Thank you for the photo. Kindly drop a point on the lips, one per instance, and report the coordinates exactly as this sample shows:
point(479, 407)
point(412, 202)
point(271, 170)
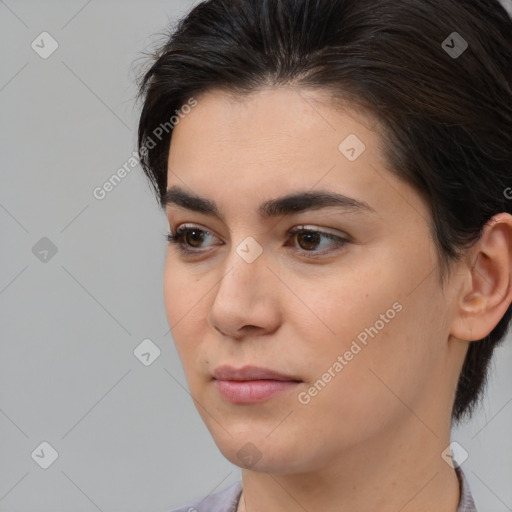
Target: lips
point(251, 384)
point(246, 373)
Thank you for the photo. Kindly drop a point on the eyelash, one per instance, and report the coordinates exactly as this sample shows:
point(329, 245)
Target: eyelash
point(178, 237)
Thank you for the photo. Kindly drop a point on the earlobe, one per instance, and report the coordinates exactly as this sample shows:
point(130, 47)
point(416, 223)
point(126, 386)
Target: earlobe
point(487, 291)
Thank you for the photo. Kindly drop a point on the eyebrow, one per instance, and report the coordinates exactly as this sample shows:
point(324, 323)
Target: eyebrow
point(286, 205)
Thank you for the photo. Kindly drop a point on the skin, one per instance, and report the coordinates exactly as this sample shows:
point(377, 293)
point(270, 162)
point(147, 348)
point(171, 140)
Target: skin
point(372, 438)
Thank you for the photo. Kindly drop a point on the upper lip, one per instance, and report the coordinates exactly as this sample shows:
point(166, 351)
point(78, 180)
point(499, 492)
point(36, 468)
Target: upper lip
point(226, 372)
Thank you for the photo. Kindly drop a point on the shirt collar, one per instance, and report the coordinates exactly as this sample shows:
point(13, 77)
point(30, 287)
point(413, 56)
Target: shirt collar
point(466, 503)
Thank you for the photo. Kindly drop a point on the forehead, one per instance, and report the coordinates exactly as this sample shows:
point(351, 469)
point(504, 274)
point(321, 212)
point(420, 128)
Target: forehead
point(285, 112)
point(276, 141)
point(285, 131)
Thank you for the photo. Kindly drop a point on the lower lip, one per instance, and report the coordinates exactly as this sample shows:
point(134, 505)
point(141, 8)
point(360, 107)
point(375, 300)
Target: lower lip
point(250, 391)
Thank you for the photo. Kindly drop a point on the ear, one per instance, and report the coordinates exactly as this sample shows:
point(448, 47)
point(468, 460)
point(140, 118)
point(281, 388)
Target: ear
point(486, 291)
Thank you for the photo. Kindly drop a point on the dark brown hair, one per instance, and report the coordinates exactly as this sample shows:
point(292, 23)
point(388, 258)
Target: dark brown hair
point(446, 118)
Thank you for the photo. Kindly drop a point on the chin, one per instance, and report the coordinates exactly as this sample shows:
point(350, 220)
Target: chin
point(259, 452)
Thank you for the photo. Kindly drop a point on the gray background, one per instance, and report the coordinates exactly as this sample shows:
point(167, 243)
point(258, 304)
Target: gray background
point(128, 436)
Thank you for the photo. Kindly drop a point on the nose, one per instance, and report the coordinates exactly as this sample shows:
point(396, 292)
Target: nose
point(247, 297)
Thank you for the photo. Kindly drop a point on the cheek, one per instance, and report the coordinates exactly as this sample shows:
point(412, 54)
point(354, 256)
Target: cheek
point(173, 287)
point(361, 398)
point(386, 338)
point(182, 291)
point(351, 300)
point(185, 316)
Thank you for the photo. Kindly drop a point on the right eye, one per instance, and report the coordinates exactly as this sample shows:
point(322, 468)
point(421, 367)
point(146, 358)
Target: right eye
point(186, 236)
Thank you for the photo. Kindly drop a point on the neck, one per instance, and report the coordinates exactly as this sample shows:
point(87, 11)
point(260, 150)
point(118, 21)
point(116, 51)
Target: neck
point(401, 470)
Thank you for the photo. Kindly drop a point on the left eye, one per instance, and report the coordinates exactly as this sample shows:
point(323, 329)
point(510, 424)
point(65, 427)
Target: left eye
point(186, 237)
point(312, 237)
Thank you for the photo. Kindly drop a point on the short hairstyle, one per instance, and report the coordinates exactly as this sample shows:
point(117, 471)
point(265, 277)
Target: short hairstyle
point(446, 119)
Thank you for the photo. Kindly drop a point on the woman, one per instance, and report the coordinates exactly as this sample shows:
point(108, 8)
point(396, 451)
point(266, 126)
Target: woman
point(337, 179)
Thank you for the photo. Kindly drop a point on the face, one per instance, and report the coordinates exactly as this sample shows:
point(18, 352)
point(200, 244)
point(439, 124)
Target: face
point(349, 307)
